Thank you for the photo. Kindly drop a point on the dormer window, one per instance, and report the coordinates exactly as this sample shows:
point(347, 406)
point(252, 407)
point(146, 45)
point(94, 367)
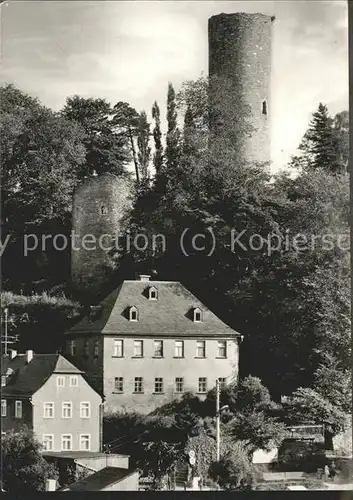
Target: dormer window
point(153, 293)
point(197, 315)
point(264, 107)
point(104, 210)
point(133, 314)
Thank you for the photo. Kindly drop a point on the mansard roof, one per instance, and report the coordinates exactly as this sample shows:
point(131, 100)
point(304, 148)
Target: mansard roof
point(170, 315)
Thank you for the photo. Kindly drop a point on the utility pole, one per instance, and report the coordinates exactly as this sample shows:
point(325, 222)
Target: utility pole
point(6, 317)
point(218, 426)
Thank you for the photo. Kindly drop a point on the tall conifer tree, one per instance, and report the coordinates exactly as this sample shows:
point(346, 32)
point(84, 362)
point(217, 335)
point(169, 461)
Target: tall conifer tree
point(320, 146)
point(173, 133)
point(157, 135)
point(144, 150)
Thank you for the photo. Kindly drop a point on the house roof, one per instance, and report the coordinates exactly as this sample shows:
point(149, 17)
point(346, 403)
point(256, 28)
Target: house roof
point(170, 314)
point(27, 378)
point(100, 480)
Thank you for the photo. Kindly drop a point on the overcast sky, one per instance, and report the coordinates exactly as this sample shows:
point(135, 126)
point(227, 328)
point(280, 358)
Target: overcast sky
point(130, 50)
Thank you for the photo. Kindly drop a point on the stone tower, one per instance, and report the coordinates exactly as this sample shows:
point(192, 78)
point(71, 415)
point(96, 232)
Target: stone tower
point(100, 207)
point(240, 51)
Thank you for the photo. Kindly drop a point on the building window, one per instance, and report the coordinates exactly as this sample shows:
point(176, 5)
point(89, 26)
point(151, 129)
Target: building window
point(138, 348)
point(3, 380)
point(104, 210)
point(60, 381)
point(85, 442)
point(66, 442)
point(222, 381)
point(222, 349)
point(18, 409)
point(158, 385)
point(119, 384)
point(179, 349)
point(138, 384)
point(264, 107)
point(74, 381)
point(202, 384)
point(67, 410)
point(133, 314)
point(85, 410)
point(179, 384)
point(153, 293)
point(48, 442)
point(118, 350)
point(158, 348)
point(3, 408)
point(197, 315)
point(201, 349)
point(48, 410)
point(96, 349)
point(72, 347)
point(86, 348)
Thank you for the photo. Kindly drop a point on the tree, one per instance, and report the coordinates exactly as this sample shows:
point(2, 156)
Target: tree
point(324, 145)
point(172, 152)
point(252, 395)
point(256, 430)
point(42, 156)
point(334, 383)
point(106, 148)
point(157, 135)
point(193, 97)
point(24, 469)
point(162, 446)
point(126, 121)
point(307, 406)
point(144, 150)
point(341, 130)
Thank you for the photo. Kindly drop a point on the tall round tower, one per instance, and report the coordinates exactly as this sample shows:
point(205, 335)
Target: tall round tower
point(100, 209)
point(240, 51)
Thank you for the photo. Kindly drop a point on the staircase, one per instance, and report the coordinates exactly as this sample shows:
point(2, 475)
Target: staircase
point(181, 476)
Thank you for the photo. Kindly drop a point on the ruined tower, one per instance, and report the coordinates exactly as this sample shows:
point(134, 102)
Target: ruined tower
point(100, 207)
point(240, 51)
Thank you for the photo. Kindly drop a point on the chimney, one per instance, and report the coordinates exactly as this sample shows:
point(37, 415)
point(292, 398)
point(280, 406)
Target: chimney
point(13, 354)
point(144, 277)
point(29, 356)
point(50, 485)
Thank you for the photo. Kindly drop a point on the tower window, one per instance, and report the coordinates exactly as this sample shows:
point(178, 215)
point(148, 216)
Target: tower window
point(264, 107)
point(104, 210)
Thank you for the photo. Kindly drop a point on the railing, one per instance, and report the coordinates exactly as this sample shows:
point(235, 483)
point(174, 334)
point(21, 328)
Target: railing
point(306, 431)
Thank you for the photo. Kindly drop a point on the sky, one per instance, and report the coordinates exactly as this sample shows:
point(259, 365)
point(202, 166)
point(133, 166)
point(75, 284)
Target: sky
point(130, 50)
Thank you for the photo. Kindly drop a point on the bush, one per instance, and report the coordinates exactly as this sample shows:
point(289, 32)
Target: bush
point(234, 471)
